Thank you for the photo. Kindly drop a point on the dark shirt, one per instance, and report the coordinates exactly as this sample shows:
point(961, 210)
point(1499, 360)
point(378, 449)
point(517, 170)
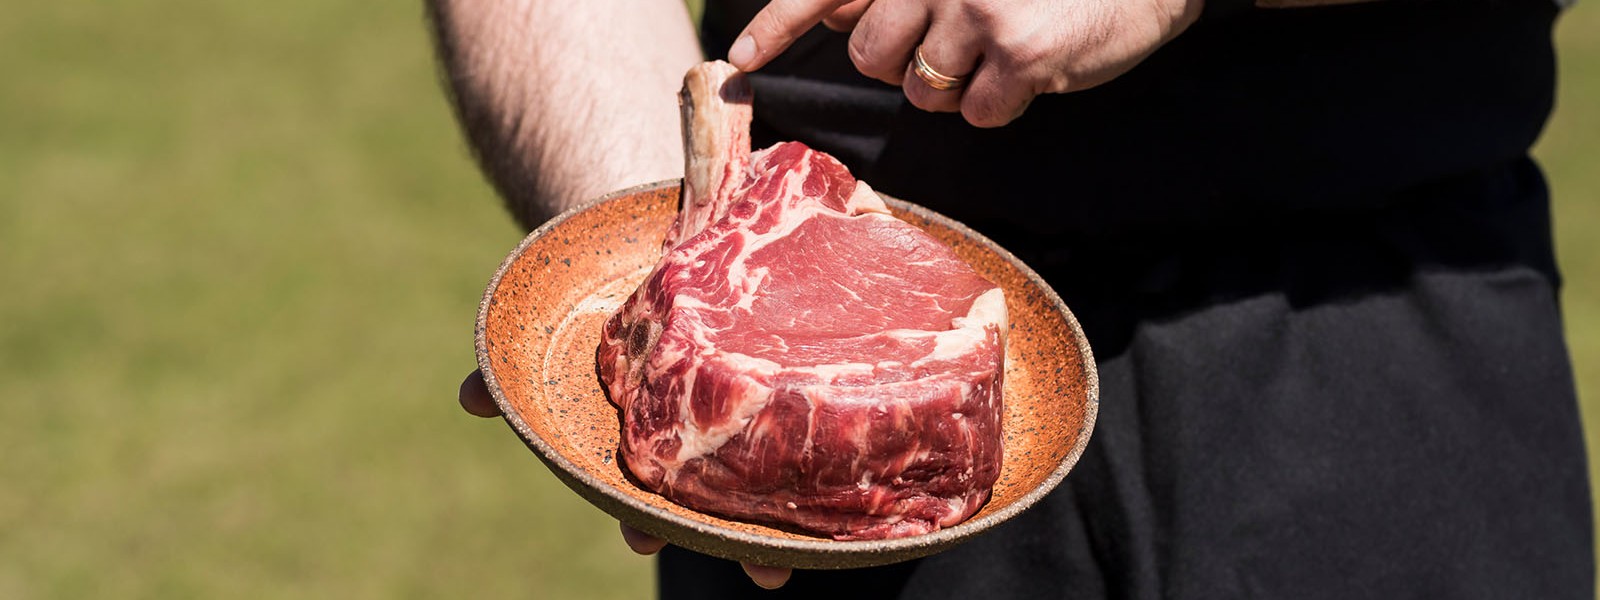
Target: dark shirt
point(1314, 263)
point(1249, 115)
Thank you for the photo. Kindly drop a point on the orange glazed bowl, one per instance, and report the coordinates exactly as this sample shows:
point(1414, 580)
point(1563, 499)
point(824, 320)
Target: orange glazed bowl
point(539, 324)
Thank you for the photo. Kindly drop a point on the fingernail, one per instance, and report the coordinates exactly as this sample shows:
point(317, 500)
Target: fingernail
point(743, 52)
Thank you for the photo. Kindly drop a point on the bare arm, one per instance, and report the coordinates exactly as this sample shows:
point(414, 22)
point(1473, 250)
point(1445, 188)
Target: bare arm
point(565, 101)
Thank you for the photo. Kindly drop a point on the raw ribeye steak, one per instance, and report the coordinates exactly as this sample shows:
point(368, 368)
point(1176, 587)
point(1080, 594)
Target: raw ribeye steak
point(799, 356)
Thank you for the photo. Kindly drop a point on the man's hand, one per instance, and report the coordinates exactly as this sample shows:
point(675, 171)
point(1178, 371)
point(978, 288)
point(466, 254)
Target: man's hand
point(476, 400)
point(1005, 51)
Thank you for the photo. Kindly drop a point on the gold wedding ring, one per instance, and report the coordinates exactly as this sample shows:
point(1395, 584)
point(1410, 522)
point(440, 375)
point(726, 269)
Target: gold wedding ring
point(935, 79)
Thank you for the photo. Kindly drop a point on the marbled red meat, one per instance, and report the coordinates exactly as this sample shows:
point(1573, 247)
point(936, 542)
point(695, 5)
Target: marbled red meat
point(799, 356)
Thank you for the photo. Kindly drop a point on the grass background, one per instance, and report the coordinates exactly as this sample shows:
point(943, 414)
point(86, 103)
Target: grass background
point(241, 246)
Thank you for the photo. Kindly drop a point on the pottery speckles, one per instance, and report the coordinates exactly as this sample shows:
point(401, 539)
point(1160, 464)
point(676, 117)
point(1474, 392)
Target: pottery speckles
point(539, 323)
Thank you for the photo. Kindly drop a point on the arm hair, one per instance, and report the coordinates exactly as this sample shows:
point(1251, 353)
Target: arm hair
point(565, 101)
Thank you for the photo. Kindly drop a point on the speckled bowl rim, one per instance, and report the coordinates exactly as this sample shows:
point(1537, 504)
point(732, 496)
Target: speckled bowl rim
point(905, 548)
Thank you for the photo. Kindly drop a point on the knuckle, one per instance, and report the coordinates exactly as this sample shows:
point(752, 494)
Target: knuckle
point(1026, 51)
point(983, 121)
point(984, 110)
point(984, 14)
point(930, 100)
point(1021, 48)
point(857, 49)
point(919, 97)
point(865, 55)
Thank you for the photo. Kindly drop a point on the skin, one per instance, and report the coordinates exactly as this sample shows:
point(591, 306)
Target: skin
point(549, 127)
point(1010, 51)
point(555, 97)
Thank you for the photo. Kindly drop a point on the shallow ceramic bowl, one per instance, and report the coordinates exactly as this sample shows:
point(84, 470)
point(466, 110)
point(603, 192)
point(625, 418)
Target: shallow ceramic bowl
point(539, 324)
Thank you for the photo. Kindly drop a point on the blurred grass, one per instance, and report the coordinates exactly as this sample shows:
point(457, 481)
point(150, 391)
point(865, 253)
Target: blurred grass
point(241, 245)
point(1570, 154)
point(242, 249)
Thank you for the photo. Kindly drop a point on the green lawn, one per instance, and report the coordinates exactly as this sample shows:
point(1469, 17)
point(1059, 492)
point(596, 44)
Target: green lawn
point(241, 246)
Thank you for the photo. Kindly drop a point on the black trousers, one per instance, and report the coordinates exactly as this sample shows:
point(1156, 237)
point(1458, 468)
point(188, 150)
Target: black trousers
point(1375, 404)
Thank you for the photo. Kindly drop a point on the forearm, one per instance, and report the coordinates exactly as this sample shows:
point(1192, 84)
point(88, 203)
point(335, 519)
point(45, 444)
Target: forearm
point(565, 101)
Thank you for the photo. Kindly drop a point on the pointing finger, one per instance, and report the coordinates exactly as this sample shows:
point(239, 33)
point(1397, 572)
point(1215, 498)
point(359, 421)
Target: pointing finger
point(779, 24)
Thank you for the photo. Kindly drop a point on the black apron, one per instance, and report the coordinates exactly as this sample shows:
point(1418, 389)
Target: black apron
point(1314, 262)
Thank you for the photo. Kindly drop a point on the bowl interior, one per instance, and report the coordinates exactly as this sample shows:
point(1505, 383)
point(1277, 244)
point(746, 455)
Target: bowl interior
point(539, 326)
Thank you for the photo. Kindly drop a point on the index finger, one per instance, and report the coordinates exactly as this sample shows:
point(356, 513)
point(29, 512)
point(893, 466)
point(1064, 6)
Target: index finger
point(779, 24)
